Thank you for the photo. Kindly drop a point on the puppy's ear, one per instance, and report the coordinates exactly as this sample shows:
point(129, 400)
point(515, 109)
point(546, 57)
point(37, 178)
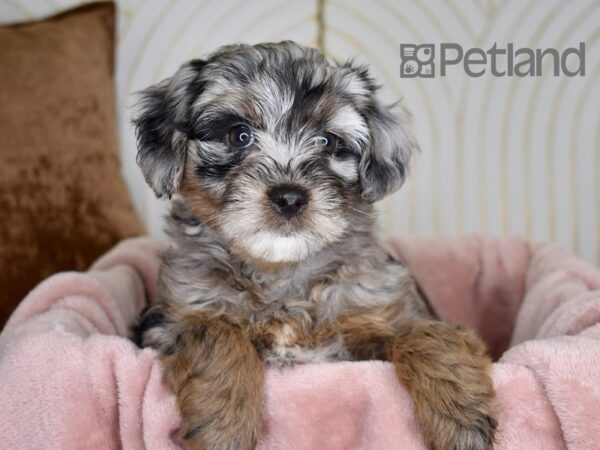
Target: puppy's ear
point(162, 126)
point(384, 163)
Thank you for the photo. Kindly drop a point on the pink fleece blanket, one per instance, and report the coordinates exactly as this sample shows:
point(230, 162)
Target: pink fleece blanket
point(70, 380)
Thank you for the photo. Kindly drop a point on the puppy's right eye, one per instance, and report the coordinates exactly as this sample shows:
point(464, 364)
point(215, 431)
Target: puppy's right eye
point(240, 136)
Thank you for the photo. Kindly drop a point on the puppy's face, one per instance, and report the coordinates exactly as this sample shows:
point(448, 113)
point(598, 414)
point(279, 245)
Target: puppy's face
point(273, 147)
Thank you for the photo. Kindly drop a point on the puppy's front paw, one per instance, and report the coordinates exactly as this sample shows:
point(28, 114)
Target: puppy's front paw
point(477, 435)
point(217, 416)
point(218, 379)
point(446, 370)
point(472, 429)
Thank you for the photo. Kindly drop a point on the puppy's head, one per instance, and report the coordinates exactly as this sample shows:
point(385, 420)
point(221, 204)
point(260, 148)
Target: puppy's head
point(273, 147)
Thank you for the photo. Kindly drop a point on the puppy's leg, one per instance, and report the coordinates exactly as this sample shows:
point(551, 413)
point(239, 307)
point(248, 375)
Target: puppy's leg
point(444, 368)
point(218, 378)
point(446, 371)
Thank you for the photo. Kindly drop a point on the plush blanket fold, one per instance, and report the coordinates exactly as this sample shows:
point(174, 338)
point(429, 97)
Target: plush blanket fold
point(69, 379)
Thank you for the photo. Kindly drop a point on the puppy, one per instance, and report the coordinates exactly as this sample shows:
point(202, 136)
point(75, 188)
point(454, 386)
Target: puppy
point(274, 157)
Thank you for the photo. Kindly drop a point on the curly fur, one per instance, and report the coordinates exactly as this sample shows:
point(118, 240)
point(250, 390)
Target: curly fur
point(243, 284)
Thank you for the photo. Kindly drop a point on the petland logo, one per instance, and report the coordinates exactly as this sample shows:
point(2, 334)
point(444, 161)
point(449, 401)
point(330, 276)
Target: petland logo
point(419, 61)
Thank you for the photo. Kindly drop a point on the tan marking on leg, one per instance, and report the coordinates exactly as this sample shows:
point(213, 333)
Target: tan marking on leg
point(444, 368)
point(446, 371)
point(218, 378)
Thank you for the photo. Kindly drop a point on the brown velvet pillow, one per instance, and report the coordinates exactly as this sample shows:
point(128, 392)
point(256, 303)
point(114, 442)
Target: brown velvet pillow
point(63, 201)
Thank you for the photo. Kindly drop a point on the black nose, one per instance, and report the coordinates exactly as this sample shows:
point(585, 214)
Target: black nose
point(289, 200)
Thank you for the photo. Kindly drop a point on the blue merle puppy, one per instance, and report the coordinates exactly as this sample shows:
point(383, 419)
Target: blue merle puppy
point(273, 158)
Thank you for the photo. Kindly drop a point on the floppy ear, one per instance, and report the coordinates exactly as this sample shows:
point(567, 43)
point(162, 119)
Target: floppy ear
point(162, 127)
point(384, 163)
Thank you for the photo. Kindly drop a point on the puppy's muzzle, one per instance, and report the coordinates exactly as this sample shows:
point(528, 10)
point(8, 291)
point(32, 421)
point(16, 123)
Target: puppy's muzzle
point(288, 200)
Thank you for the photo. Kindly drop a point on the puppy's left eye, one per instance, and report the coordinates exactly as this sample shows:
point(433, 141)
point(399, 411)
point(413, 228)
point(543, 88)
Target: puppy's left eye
point(333, 145)
point(240, 136)
point(328, 141)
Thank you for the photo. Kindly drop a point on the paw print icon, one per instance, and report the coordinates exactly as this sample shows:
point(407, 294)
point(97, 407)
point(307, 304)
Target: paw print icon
point(417, 60)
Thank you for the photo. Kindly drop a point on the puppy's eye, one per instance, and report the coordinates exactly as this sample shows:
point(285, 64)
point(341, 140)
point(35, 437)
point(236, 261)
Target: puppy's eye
point(240, 136)
point(333, 145)
point(328, 141)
